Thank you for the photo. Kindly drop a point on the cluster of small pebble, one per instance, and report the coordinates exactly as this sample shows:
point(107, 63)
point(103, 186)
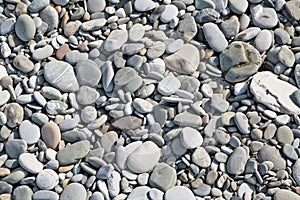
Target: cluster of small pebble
point(149, 99)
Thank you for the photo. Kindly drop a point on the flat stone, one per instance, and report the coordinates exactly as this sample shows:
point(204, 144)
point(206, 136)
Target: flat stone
point(269, 153)
point(133, 48)
point(71, 28)
point(16, 176)
point(263, 40)
point(285, 194)
point(68, 124)
point(71, 154)
point(54, 107)
point(139, 192)
point(219, 103)
point(45, 194)
point(290, 152)
point(281, 36)
point(163, 177)
point(61, 75)
point(156, 50)
point(61, 2)
point(239, 61)
point(168, 85)
point(88, 73)
point(74, 191)
point(75, 56)
point(286, 56)
point(5, 187)
point(201, 4)
point(214, 37)
point(23, 64)
point(237, 161)
point(284, 135)
point(187, 28)
point(273, 93)
point(30, 163)
point(296, 171)
point(292, 7)
point(7, 26)
point(136, 32)
point(93, 25)
point(174, 46)
point(38, 5)
point(4, 97)
point(88, 114)
point(104, 172)
point(142, 106)
point(124, 76)
point(51, 134)
point(25, 28)
point(50, 17)
point(3, 72)
point(22, 192)
point(185, 60)
point(115, 40)
point(14, 113)
point(113, 183)
point(29, 132)
point(183, 120)
point(42, 53)
point(179, 192)
point(156, 194)
point(238, 6)
point(144, 5)
point(144, 158)
point(47, 179)
point(87, 95)
point(170, 12)
point(95, 6)
point(201, 158)
point(15, 147)
point(230, 27)
point(241, 122)
point(264, 17)
point(127, 123)
point(51, 93)
point(190, 138)
point(202, 190)
point(207, 15)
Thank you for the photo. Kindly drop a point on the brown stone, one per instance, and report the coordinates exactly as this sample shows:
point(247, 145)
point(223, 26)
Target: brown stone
point(65, 169)
point(4, 172)
point(51, 134)
point(62, 51)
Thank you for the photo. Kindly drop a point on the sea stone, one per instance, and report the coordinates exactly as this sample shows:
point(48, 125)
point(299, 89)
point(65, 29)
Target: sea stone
point(144, 158)
point(61, 75)
point(51, 134)
point(74, 191)
point(274, 93)
point(163, 177)
point(23, 64)
point(239, 61)
point(214, 37)
point(127, 123)
point(269, 153)
point(71, 154)
point(25, 28)
point(185, 60)
point(237, 161)
point(115, 40)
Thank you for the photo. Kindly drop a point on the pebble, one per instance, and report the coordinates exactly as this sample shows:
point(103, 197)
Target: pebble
point(170, 12)
point(88, 114)
point(264, 17)
point(190, 138)
point(163, 177)
point(37, 5)
point(185, 60)
point(180, 192)
point(74, 191)
point(115, 40)
point(144, 5)
point(61, 75)
point(241, 122)
point(4, 97)
point(269, 153)
point(214, 36)
point(236, 64)
point(263, 40)
point(237, 6)
point(266, 81)
point(201, 158)
point(23, 64)
point(285, 194)
point(30, 163)
point(40, 194)
point(29, 132)
point(87, 95)
point(22, 193)
point(127, 123)
point(50, 17)
point(142, 106)
point(95, 6)
point(51, 134)
point(71, 154)
point(15, 147)
point(284, 135)
point(237, 161)
point(93, 25)
point(25, 28)
point(139, 193)
point(286, 56)
point(42, 53)
point(169, 85)
point(144, 158)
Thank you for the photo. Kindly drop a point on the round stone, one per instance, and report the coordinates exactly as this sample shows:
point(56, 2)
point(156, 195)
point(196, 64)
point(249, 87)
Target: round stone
point(285, 135)
point(50, 17)
point(87, 95)
point(15, 147)
point(88, 114)
point(23, 64)
point(191, 138)
point(30, 163)
point(168, 85)
point(269, 153)
point(163, 177)
point(144, 158)
point(214, 37)
point(25, 28)
point(88, 73)
point(14, 113)
point(136, 32)
point(170, 12)
point(22, 193)
point(179, 192)
point(115, 40)
point(142, 105)
point(51, 134)
point(29, 132)
point(47, 179)
point(42, 194)
point(4, 97)
point(264, 17)
point(237, 161)
point(74, 191)
point(201, 158)
point(144, 5)
point(95, 6)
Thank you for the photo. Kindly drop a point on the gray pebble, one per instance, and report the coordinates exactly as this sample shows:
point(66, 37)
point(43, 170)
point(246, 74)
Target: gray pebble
point(215, 37)
point(25, 28)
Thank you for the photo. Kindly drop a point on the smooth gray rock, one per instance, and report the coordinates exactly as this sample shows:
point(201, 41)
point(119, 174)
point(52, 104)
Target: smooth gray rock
point(201, 158)
point(144, 5)
point(42, 53)
point(115, 40)
point(15, 147)
point(29, 132)
point(45, 194)
point(30, 163)
point(264, 17)
point(238, 6)
point(23, 63)
point(136, 32)
point(61, 75)
point(187, 28)
point(190, 138)
point(74, 191)
point(179, 192)
point(269, 153)
point(285, 194)
point(168, 85)
point(286, 56)
point(95, 6)
point(38, 5)
point(93, 25)
point(87, 95)
point(237, 161)
point(25, 28)
point(170, 12)
point(50, 17)
point(263, 40)
point(214, 37)
point(22, 193)
point(47, 179)
point(71, 154)
point(241, 122)
point(163, 177)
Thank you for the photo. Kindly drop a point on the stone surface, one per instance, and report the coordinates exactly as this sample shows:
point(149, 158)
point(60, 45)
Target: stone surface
point(237, 161)
point(285, 194)
point(25, 28)
point(88, 73)
point(115, 40)
point(144, 158)
point(23, 64)
point(30, 163)
point(190, 138)
point(71, 154)
point(168, 85)
point(277, 98)
point(74, 191)
point(61, 75)
point(51, 134)
point(185, 60)
point(47, 179)
point(29, 132)
point(239, 61)
point(179, 192)
point(269, 153)
point(163, 177)
point(214, 36)
point(201, 158)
